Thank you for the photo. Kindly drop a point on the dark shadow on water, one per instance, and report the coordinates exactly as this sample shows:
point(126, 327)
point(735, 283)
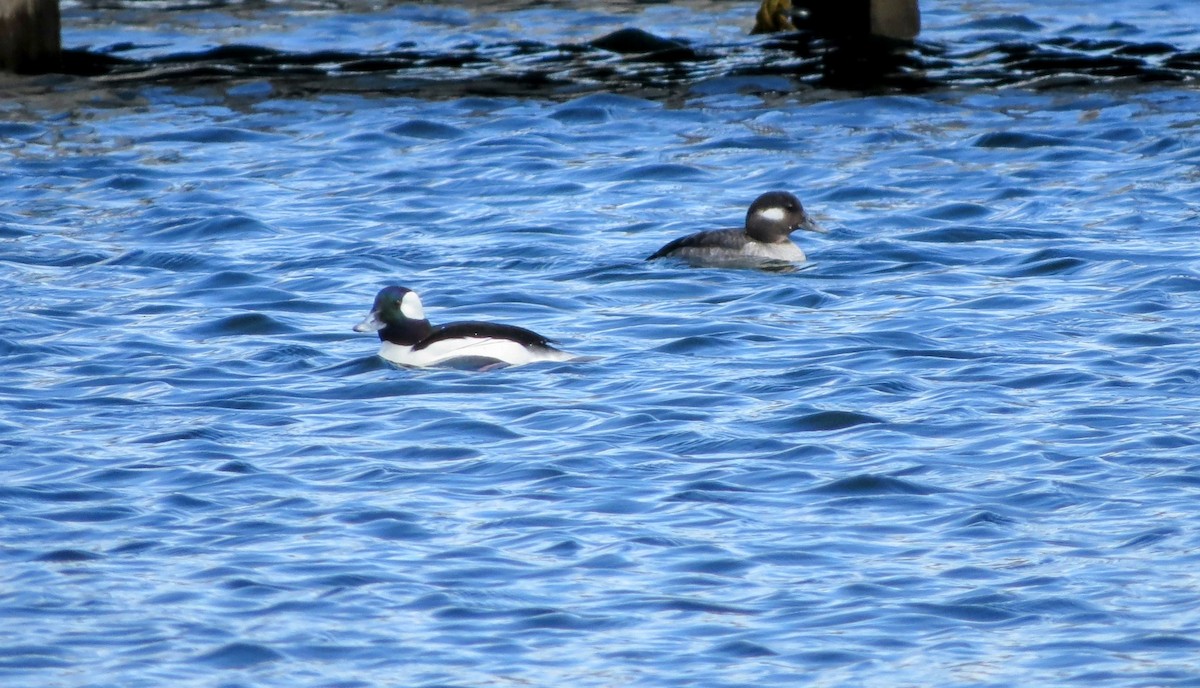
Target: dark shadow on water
point(636, 62)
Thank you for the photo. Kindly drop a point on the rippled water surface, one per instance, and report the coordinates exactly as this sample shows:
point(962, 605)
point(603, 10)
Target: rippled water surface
point(958, 447)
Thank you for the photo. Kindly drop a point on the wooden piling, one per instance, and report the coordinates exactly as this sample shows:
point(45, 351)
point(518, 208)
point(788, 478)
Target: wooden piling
point(895, 19)
point(899, 19)
point(30, 36)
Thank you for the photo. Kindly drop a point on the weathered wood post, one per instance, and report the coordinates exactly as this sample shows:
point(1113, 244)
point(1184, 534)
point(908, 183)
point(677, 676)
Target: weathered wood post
point(899, 19)
point(896, 19)
point(30, 36)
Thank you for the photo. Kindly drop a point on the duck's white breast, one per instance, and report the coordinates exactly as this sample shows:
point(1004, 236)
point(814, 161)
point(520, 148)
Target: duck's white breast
point(782, 251)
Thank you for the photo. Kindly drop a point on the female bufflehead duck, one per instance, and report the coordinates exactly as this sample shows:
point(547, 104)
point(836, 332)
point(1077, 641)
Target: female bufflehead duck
point(771, 218)
point(409, 339)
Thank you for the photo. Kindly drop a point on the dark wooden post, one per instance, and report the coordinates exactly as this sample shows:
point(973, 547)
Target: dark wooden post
point(30, 36)
point(896, 19)
point(899, 19)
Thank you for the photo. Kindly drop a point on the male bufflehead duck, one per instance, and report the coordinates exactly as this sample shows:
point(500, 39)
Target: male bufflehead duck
point(771, 218)
point(408, 338)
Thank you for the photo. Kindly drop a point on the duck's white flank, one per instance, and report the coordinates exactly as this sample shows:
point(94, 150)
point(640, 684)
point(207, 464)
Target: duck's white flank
point(505, 350)
point(749, 253)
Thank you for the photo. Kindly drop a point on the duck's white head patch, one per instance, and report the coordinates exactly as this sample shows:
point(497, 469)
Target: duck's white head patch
point(773, 214)
point(410, 306)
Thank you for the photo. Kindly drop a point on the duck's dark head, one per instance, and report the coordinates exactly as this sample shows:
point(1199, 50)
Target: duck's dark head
point(776, 214)
point(397, 316)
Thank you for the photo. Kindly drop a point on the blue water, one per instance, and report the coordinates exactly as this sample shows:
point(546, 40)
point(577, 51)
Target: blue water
point(959, 447)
